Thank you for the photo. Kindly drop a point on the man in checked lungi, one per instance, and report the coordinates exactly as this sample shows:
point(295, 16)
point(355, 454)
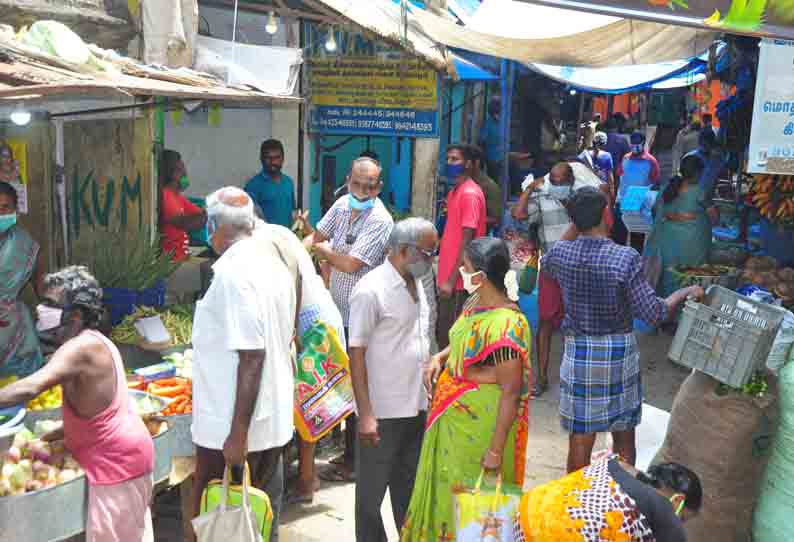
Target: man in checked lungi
point(604, 290)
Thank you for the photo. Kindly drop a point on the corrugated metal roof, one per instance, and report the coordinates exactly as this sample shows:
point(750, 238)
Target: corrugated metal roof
point(383, 18)
point(25, 72)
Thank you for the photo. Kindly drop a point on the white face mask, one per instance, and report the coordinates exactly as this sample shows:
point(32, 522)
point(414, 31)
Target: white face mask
point(467, 284)
point(47, 317)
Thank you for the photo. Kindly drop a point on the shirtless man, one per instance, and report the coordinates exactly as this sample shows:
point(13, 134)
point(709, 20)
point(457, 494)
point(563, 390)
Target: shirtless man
point(100, 427)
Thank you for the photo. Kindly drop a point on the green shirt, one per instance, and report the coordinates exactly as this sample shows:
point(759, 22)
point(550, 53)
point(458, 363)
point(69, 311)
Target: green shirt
point(493, 196)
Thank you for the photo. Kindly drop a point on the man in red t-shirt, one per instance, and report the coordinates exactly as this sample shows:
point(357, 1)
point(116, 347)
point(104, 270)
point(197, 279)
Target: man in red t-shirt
point(466, 218)
point(177, 213)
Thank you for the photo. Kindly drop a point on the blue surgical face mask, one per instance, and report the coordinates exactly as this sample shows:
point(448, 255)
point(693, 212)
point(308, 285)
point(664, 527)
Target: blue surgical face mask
point(560, 192)
point(453, 171)
point(359, 205)
point(7, 221)
point(637, 149)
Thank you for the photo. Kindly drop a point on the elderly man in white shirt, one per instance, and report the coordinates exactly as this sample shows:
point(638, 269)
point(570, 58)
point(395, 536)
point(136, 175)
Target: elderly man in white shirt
point(316, 304)
point(389, 346)
point(242, 373)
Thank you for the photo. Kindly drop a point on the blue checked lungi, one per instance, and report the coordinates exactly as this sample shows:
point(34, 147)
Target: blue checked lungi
point(600, 384)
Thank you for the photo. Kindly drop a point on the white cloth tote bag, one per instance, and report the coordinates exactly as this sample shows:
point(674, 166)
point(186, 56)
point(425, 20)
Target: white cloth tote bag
point(228, 523)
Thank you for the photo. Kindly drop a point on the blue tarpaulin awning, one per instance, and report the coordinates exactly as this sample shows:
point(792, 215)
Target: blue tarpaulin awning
point(469, 71)
point(621, 79)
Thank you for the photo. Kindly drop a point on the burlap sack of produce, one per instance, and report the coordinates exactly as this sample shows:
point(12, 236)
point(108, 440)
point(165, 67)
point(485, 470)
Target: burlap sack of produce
point(722, 438)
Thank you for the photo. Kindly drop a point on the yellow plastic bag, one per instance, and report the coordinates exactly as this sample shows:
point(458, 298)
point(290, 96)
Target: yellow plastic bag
point(486, 515)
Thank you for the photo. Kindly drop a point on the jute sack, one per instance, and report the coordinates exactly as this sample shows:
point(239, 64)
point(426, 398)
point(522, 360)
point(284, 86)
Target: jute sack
point(720, 437)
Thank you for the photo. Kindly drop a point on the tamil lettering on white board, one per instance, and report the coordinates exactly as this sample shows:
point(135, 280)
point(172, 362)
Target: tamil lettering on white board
point(772, 133)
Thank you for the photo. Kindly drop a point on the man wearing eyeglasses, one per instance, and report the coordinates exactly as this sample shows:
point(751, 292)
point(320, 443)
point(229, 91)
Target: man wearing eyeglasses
point(389, 346)
point(352, 238)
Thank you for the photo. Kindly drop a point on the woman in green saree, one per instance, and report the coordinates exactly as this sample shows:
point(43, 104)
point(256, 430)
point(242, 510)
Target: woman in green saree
point(682, 230)
point(20, 354)
point(479, 414)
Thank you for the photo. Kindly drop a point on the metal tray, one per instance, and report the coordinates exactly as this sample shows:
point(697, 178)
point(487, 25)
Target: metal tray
point(53, 514)
point(54, 414)
point(159, 402)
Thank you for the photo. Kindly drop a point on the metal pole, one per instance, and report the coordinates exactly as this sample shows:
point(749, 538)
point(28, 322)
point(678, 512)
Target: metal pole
point(507, 73)
point(579, 120)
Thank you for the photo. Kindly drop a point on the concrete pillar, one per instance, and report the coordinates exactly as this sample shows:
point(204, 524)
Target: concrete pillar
point(425, 168)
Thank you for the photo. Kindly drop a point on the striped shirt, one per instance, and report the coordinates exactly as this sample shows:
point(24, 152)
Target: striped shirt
point(364, 238)
point(550, 213)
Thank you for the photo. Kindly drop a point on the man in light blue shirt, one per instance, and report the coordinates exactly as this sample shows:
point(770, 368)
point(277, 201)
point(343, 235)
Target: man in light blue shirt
point(272, 190)
point(491, 140)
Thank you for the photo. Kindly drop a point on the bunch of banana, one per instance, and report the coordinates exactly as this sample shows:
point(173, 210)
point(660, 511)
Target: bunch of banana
point(785, 211)
point(786, 184)
point(773, 196)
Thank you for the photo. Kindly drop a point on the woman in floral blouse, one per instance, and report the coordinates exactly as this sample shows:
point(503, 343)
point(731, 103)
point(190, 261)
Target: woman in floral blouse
point(610, 501)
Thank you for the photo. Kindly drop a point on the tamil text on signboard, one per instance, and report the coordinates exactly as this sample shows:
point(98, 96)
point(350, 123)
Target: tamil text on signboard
point(772, 133)
point(366, 91)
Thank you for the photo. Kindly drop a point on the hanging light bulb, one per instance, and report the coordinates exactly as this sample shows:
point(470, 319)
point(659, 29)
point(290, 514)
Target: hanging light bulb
point(272, 25)
point(330, 43)
point(20, 116)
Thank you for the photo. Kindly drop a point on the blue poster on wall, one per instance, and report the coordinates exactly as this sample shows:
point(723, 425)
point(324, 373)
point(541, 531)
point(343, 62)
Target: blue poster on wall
point(368, 88)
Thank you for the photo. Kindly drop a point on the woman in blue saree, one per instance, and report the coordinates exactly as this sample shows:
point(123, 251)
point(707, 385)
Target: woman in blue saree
point(20, 354)
point(681, 233)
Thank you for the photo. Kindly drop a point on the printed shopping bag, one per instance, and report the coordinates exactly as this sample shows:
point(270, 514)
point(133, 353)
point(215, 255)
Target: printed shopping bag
point(486, 515)
point(529, 275)
point(234, 513)
point(323, 387)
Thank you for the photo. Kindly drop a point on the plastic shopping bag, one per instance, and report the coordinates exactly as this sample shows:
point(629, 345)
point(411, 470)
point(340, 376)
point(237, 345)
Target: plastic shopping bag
point(323, 387)
point(486, 516)
point(233, 513)
point(529, 275)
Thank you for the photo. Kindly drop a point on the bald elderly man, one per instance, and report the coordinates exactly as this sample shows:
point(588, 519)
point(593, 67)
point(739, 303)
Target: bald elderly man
point(352, 237)
point(242, 370)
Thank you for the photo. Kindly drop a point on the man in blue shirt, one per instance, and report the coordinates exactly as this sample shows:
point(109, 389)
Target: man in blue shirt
point(490, 140)
point(617, 143)
point(272, 190)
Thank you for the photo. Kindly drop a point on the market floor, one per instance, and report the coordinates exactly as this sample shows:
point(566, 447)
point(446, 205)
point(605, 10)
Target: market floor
point(330, 518)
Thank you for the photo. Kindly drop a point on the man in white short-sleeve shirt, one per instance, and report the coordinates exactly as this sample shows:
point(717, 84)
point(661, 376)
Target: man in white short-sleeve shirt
point(242, 372)
point(389, 347)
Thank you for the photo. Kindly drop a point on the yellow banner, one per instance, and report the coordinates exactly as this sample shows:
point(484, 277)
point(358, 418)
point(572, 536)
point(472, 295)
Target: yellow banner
point(373, 82)
point(20, 151)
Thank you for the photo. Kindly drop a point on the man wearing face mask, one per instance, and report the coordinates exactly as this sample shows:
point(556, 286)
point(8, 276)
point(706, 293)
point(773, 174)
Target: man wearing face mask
point(389, 346)
point(177, 214)
point(638, 168)
point(272, 190)
point(352, 238)
point(543, 205)
point(100, 426)
point(466, 220)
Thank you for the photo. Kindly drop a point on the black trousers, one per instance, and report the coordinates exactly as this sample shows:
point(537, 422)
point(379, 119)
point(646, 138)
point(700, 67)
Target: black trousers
point(449, 308)
point(391, 464)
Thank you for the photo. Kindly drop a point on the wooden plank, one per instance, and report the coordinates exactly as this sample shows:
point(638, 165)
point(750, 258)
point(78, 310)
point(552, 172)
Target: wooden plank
point(109, 170)
point(83, 89)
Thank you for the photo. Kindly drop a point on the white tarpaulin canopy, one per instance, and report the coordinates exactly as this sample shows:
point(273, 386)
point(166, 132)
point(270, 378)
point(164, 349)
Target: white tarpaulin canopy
point(528, 21)
point(241, 64)
point(536, 34)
